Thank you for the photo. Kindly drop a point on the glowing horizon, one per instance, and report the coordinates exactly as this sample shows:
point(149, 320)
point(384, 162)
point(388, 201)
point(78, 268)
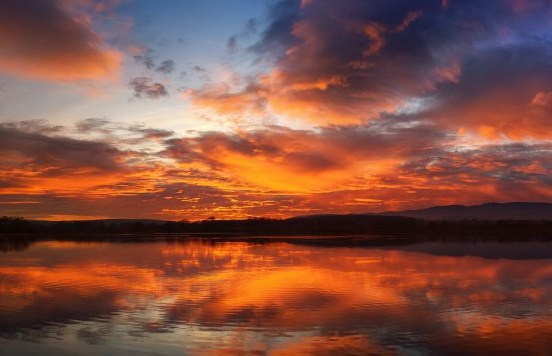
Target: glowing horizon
point(190, 109)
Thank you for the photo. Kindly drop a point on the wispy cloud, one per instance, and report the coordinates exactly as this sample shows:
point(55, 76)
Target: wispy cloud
point(166, 67)
point(146, 88)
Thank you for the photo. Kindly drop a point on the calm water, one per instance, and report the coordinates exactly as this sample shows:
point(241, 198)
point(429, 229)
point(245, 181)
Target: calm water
point(193, 298)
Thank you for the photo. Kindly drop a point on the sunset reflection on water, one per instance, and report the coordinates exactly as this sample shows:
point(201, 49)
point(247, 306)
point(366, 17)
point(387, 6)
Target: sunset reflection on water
point(197, 297)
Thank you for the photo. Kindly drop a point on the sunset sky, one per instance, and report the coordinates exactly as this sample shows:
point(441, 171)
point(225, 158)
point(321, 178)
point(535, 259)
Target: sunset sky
point(185, 109)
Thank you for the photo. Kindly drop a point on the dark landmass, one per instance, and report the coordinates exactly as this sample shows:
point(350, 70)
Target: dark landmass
point(509, 220)
point(353, 230)
point(488, 211)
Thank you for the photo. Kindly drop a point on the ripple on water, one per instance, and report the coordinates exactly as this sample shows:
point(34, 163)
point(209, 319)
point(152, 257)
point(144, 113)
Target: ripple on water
point(282, 298)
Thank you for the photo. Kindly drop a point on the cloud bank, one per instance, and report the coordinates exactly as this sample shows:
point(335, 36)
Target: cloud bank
point(99, 167)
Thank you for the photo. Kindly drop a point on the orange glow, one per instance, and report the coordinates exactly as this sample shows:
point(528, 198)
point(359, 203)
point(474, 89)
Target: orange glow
point(221, 101)
point(286, 287)
point(82, 181)
point(55, 42)
point(72, 217)
point(100, 65)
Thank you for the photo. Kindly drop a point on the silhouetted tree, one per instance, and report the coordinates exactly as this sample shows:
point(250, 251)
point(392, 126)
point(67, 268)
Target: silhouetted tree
point(13, 224)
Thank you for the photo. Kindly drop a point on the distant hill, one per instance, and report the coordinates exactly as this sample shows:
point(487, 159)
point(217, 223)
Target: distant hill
point(488, 211)
point(509, 220)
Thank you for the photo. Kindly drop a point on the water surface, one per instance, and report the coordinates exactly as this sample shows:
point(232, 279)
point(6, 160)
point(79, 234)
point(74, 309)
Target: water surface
point(196, 297)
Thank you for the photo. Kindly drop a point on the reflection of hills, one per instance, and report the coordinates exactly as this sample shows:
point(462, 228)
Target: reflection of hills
point(514, 250)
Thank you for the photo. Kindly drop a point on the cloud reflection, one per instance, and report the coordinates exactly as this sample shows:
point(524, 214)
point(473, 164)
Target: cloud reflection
point(344, 299)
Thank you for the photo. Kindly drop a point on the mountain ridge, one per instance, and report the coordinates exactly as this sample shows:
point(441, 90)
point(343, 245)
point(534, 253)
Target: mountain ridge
point(486, 211)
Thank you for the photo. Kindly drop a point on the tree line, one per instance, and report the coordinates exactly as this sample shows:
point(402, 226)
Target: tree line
point(329, 225)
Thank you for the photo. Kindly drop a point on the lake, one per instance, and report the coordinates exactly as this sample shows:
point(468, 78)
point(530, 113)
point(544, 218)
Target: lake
point(196, 297)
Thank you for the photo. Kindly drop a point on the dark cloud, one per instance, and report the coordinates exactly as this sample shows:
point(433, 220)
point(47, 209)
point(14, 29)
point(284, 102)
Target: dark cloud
point(252, 27)
point(35, 151)
point(502, 90)
point(120, 133)
point(42, 39)
point(166, 67)
point(93, 125)
point(232, 44)
point(150, 133)
point(147, 57)
point(332, 148)
point(144, 55)
point(352, 61)
point(34, 126)
point(515, 163)
point(145, 88)
point(277, 37)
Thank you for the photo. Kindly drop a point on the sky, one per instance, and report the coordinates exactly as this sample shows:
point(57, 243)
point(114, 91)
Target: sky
point(187, 109)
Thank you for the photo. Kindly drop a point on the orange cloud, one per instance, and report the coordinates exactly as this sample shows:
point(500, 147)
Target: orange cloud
point(43, 40)
point(297, 161)
point(334, 66)
point(220, 99)
point(316, 81)
point(543, 99)
point(52, 164)
point(517, 106)
point(273, 172)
